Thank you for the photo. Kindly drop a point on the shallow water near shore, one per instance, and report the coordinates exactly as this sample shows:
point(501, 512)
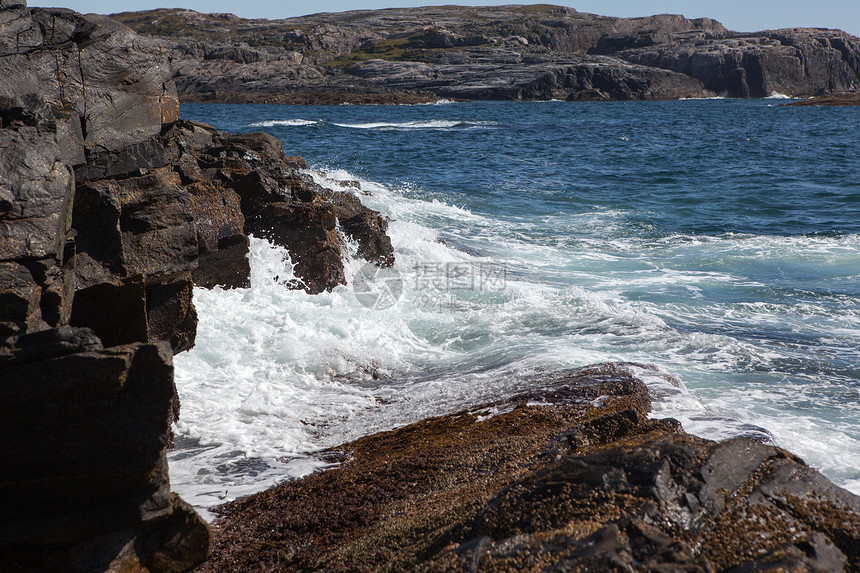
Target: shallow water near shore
point(718, 240)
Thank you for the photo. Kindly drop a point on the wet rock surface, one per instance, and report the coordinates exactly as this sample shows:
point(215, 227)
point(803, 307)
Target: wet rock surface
point(408, 55)
point(569, 477)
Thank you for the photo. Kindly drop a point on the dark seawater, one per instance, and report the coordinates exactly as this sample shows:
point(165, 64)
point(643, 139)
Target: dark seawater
point(718, 240)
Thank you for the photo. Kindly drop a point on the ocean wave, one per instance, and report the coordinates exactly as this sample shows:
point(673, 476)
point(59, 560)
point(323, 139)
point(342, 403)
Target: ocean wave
point(431, 124)
point(305, 372)
point(284, 122)
point(441, 101)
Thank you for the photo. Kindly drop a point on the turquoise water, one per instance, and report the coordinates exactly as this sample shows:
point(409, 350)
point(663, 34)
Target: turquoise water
point(718, 240)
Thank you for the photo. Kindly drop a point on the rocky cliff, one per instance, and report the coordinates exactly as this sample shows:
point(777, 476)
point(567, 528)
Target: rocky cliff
point(111, 210)
point(502, 52)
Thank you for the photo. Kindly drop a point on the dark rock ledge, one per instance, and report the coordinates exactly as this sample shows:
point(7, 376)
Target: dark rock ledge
point(569, 477)
point(111, 210)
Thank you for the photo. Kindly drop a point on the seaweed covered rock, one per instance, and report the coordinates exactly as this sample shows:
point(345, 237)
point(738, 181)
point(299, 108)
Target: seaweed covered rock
point(571, 476)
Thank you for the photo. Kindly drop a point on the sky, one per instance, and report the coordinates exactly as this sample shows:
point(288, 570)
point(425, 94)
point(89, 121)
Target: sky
point(740, 15)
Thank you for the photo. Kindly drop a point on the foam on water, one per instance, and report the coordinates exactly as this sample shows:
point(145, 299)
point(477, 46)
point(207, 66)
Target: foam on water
point(431, 124)
point(434, 124)
point(442, 101)
point(276, 375)
point(284, 122)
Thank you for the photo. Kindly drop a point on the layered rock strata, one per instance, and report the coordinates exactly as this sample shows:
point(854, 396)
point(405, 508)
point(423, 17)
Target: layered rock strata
point(111, 210)
point(512, 52)
point(570, 476)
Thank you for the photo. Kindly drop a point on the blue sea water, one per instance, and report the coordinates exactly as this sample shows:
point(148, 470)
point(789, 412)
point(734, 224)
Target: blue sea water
point(717, 241)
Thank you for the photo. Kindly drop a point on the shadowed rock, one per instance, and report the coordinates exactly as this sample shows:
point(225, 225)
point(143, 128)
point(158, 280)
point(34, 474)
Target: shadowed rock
point(83, 102)
point(244, 184)
point(310, 233)
point(85, 474)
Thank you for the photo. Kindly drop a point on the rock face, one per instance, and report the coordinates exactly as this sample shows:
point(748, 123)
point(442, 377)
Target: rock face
point(798, 62)
point(84, 477)
point(85, 427)
point(499, 52)
point(570, 477)
point(111, 210)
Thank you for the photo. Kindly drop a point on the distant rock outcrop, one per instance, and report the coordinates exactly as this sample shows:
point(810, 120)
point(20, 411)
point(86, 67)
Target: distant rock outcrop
point(510, 52)
point(838, 99)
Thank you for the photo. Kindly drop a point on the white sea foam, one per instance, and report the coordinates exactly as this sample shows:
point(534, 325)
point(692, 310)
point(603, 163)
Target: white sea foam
point(284, 122)
point(777, 95)
point(431, 124)
point(277, 374)
point(441, 101)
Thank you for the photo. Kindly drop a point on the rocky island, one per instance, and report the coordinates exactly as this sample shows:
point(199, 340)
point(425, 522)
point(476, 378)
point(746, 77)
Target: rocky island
point(112, 208)
point(535, 52)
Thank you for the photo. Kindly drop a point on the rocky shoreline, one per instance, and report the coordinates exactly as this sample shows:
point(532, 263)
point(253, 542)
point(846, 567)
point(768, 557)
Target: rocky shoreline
point(536, 52)
point(571, 476)
point(112, 209)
